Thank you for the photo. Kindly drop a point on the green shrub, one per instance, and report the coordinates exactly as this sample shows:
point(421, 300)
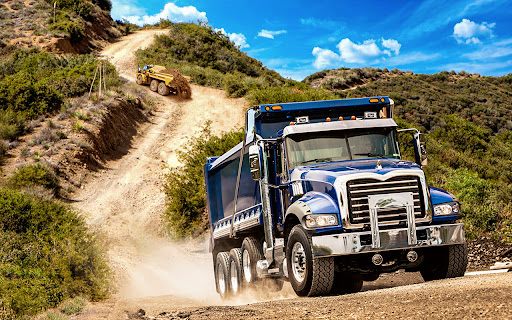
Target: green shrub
point(74, 306)
point(73, 30)
point(288, 94)
point(11, 125)
point(184, 187)
point(47, 255)
point(235, 86)
point(474, 193)
point(27, 97)
point(35, 175)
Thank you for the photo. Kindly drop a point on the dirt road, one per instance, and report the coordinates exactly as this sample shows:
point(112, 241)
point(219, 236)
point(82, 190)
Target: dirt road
point(124, 202)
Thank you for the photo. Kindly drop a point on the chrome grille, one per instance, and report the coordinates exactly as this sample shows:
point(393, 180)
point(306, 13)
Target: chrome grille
point(360, 189)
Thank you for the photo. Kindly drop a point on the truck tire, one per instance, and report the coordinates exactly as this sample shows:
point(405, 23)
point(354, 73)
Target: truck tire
point(140, 79)
point(235, 271)
point(153, 86)
point(222, 275)
point(163, 89)
point(251, 253)
point(346, 282)
point(445, 262)
point(308, 277)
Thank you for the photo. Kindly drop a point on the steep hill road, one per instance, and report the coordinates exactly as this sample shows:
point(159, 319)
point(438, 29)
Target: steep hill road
point(124, 202)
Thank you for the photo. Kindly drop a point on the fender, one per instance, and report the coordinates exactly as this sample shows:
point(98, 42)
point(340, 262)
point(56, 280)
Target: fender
point(313, 202)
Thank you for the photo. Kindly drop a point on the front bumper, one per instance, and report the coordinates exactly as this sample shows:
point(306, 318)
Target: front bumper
point(350, 243)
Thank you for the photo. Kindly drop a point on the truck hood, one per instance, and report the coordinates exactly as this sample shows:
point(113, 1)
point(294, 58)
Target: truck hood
point(328, 172)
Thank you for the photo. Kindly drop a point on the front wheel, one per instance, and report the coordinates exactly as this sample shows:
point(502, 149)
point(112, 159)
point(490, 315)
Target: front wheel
point(308, 276)
point(140, 79)
point(445, 262)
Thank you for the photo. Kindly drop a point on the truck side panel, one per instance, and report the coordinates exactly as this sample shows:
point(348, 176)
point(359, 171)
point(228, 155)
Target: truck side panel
point(221, 188)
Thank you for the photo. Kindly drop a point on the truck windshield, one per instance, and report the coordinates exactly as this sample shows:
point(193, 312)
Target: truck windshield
point(318, 147)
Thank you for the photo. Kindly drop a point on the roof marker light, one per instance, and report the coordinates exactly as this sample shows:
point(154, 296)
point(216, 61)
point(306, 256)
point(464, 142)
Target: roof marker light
point(382, 99)
point(353, 117)
point(267, 108)
point(292, 123)
point(340, 118)
point(328, 119)
point(275, 108)
point(374, 100)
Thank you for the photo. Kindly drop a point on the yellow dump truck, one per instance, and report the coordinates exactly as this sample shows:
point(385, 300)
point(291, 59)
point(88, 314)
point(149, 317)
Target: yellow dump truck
point(164, 81)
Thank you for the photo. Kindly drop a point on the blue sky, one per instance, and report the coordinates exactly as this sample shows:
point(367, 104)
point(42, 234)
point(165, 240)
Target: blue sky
point(297, 38)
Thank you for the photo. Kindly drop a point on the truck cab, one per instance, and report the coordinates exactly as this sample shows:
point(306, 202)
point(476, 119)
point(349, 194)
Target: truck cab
point(322, 198)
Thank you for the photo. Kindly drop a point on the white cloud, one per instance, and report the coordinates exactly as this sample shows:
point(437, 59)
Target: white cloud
point(468, 32)
point(351, 52)
point(325, 58)
point(238, 38)
point(392, 45)
point(270, 34)
point(171, 12)
point(358, 53)
point(123, 8)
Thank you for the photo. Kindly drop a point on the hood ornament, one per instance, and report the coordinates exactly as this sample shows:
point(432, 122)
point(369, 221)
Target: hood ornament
point(379, 166)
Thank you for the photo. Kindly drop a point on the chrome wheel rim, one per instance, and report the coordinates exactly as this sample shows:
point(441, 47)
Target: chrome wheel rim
point(220, 279)
point(298, 262)
point(234, 277)
point(246, 262)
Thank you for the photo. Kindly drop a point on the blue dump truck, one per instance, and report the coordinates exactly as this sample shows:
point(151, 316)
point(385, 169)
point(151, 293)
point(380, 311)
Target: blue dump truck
point(317, 194)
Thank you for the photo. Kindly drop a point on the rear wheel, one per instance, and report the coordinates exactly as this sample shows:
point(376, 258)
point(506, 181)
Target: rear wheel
point(250, 256)
point(235, 270)
point(163, 89)
point(153, 86)
point(308, 276)
point(222, 275)
point(445, 262)
point(140, 79)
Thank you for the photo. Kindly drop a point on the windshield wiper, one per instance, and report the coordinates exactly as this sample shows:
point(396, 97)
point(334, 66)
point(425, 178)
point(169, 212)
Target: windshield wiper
point(318, 160)
point(369, 154)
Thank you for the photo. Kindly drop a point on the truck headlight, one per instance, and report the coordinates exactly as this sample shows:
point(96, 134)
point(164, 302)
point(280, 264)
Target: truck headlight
point(321, 220)
point(447, 209)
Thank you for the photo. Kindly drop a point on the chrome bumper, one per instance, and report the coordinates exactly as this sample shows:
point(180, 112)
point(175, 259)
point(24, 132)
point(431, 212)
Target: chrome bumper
point(349, 243)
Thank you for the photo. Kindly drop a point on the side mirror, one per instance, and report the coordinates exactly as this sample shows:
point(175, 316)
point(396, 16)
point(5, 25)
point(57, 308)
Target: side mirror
point(255, 162)
point(420, 151)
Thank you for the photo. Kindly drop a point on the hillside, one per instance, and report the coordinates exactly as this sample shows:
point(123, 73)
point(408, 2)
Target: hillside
point(76, 26)
point(466, 118)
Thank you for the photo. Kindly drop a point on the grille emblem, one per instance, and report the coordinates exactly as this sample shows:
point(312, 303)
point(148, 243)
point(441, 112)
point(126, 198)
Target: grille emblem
point(379, 166)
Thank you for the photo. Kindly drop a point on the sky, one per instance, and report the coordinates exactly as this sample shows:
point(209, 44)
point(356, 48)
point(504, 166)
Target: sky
point(297, 38)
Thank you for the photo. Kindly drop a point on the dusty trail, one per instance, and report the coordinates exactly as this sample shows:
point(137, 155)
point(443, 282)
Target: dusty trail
point(125, 201)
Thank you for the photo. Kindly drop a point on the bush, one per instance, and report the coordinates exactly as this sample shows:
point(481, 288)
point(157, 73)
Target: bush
point(184, 187)
point(47, 255)
point(25, 96)
point(235, 86)
point(74, 31)
point(35, 175)
point(288, 94)
point(474, 193)
point(11, 125)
